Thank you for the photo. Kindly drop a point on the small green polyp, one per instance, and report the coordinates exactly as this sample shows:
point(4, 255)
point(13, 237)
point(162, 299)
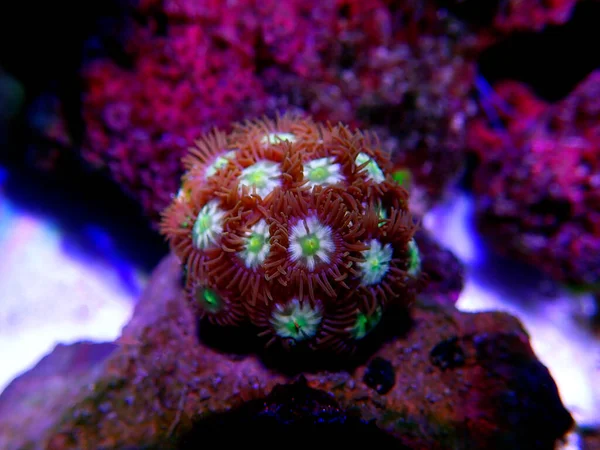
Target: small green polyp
point(207, 226)
point(414, 258)
point(372, 169)
point(376, 265)
point(318, 175)
point(258, 178)
point(365, 323)
point(376, 262)
point(208, 299)
point(263, 176)
point(256, 245)
point(403, 177)
point(219, 162)
point(296, 321)
point(310, 245)
point(203, 223)
point(322, 172)
point(293, 326)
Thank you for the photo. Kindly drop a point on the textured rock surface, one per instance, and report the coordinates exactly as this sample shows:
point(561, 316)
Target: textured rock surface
point(448, 380)
point(35, 400)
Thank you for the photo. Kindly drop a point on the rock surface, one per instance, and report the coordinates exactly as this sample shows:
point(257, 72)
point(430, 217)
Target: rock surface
point(34, 401)
point(448, 380)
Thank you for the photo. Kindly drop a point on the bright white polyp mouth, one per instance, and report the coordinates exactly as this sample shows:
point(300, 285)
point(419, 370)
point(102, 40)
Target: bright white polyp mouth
point(262, 177)
point(219, 162)
point(256, 245)
point(277, 137)
point(295, 321)
point(415, 258)
point(322, 172)
point(376, 264)
point(372, 169)
point(311, 243)
point(208, 226)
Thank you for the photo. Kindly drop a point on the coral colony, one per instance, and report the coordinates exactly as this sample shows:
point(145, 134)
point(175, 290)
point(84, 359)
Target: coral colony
point(298, 228)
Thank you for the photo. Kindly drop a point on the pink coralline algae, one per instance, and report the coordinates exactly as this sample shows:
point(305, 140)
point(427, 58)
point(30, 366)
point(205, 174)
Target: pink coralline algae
point(538, 186)
point(398, 68)
point(139, 121)
point(402, 70)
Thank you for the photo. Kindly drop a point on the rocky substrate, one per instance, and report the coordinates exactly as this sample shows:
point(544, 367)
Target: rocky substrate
point(439, 379)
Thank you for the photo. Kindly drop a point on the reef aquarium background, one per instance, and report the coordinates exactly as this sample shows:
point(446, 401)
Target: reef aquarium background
point(297, 222)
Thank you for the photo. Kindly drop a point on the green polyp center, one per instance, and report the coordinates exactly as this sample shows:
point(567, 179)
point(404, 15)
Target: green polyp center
point(209, 299)
point(375, 264)
point(365, 323)
point(414, 264)
point(295, 321)
point(402, 177)
point(382, 215)
point(296, 324)
point(371, 167)
point(220, 162)
point(310, 245)
point(257, 178)
point(204, 223)
point(362, 323)
point(319, 174)
point(255, 243)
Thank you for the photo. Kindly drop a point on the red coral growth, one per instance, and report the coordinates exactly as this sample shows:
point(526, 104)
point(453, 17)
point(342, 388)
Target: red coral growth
point(402, 69)
point(140, 121)
point(538, 186)
point(192, 65)
point(299, 231)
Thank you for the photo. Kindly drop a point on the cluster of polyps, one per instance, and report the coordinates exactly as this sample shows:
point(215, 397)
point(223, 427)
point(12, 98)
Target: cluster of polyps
point(296, 227)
